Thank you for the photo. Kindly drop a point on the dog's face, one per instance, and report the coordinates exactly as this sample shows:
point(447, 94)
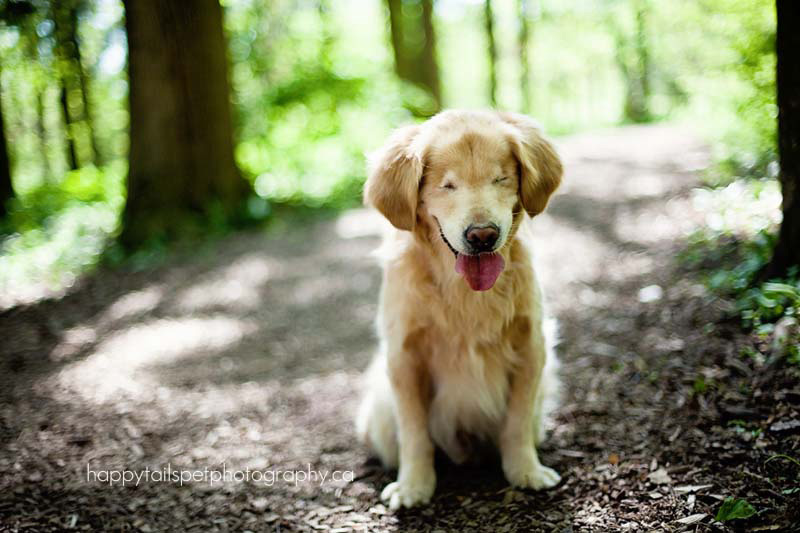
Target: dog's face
point(465, 178)
point(470, 192)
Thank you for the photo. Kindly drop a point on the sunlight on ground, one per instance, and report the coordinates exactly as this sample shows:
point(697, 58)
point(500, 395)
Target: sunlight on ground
point(235, 285)
point(134, 303)
point(115, 365)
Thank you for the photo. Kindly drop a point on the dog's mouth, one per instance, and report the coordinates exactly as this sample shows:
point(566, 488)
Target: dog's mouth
point(479, 270)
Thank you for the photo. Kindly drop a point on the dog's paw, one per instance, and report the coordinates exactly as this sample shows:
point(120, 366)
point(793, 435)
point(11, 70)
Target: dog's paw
point(410, 491)
point(528, 473)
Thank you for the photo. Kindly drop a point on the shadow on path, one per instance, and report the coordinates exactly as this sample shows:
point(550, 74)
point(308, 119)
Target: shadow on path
point(247, 355)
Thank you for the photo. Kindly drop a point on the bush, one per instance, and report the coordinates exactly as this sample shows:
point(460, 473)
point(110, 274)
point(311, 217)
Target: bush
point(735, 243)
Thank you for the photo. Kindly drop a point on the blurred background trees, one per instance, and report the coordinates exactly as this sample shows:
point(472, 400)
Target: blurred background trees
point(120, 132)
point(414, 47)
point(786, 255)
point(6, 187)
point(491, 48)
point(182, 173)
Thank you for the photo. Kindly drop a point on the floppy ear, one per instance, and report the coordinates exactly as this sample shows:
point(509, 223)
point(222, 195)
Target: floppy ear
point(394, 173)
point(539, 165)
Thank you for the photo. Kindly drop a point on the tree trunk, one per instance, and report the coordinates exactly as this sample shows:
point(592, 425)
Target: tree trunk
point(430, 67)
point(6, 187)
point(523, 8)
point(69, 131)
point(643, 58)
point(633, 57)
point(72, 28)
point(488, 20)
point(41, 131)
point(38, 87)
point(417, 64)
point(182, 169)
point(65, 67)
point(787, 249)
point(401, 63)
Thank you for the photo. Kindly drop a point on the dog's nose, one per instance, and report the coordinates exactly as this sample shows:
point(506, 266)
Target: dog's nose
point(482, 238)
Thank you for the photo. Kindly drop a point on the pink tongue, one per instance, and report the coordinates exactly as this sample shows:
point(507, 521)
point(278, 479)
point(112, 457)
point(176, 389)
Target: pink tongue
point(480, 271)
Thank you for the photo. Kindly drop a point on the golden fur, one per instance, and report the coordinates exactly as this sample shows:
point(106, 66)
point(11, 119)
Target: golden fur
point(455, 361)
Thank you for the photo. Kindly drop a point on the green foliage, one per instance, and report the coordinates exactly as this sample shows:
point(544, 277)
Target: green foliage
point(314, 90)
point(700, 386)
point(733, 246)
point(734, 509)
point(57, 231)
point(306, 118)
point(784, 457)
point(761, 306)
point(735, 103)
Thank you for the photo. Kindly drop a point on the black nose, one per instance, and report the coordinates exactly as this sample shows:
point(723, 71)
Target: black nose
point(482, 238)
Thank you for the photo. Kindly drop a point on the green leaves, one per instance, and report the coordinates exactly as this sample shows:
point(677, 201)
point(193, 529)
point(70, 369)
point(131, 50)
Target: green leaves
point(733, 509)
point(769, 302)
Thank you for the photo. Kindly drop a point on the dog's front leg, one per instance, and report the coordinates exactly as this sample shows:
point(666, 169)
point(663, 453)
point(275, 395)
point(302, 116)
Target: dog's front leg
point(520, 461)
point(416, 479)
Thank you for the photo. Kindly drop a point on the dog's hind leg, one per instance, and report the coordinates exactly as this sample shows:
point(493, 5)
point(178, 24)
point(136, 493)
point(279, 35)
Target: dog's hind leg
point(547, 397)
point(375, 421)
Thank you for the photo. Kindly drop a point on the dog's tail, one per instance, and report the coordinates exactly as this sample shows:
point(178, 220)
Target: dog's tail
point(549, 394)
point(375, 424)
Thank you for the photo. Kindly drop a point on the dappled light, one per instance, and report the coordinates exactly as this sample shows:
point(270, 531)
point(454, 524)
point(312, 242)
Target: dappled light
point(235, 286)
point(190, 282)
point(114, 367)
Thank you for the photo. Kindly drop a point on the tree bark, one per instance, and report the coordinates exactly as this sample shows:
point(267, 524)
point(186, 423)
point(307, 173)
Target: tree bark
point(182, 169)
point(418, 66)
point(524, 12)
point(787, 249)
point(6, 187)
point(488, 20)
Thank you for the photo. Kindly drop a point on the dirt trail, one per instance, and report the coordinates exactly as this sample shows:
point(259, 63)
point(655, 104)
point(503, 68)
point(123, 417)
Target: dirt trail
point(247, 353)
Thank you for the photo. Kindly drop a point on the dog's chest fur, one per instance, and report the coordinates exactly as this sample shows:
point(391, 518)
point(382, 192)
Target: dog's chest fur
point(467, 340)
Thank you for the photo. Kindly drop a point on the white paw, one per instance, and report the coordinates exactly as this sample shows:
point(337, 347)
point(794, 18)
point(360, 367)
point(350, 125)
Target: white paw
point(528, 473)
point(408, 492)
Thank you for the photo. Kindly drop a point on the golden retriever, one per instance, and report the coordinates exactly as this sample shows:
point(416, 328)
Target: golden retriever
point(463, 347)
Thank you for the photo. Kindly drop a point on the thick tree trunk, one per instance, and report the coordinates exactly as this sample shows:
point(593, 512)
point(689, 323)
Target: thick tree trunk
point(6, 188)
point(787, 250)
point(488, 20)
point(524, 12)
point(417, 65)
point(182, 169)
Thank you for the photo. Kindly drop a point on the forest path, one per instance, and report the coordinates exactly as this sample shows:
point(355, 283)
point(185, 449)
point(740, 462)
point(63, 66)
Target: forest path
point(247, 353)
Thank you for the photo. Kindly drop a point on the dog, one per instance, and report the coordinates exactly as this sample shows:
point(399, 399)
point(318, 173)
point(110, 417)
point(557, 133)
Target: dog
point(464, 355)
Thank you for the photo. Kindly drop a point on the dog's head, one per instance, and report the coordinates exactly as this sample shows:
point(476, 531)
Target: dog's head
point(465, 177)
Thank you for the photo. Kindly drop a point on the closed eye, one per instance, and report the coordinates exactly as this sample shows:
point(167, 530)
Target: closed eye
point(501, 179)
point(448, 186)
